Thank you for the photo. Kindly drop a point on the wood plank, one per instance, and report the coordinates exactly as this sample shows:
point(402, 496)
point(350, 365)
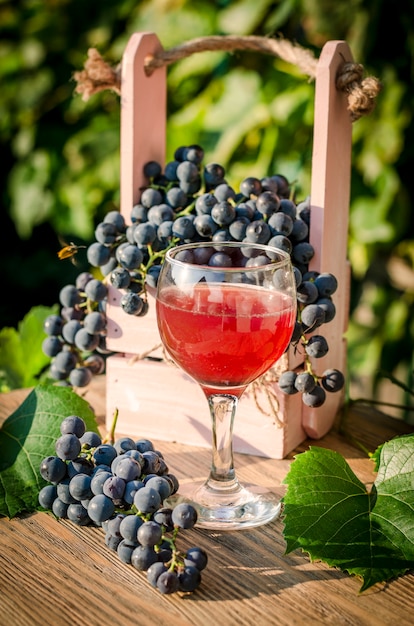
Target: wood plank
point(330, 193)
point(69, 576)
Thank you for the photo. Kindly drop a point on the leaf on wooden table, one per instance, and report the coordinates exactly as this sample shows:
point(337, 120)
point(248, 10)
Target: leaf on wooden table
point(330, 514)
point(28, 436)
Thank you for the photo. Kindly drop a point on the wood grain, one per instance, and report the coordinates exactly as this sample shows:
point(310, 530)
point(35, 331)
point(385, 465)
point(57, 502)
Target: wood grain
point(55, 573)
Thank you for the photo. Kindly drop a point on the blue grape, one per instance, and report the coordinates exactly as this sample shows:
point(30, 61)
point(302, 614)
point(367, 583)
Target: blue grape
point(117, 219)
point(130, 257)
point(131, 488)
point(104, 454)
point(144, 234)
point(60, 508)
point(154, 571)
point(98, 481)
point(281, 223)
point(258, 231)
point(80, 376)
point(312, 316)
point(53, 469)
point(112, 541)
point(70, 329)
point(85, 341)
point(68, 447)
point(129, 527)
point(125, 550)
point(100, 508)
point(307, 292)
point(94, 322)
point(128, 469)
point(160, 213)
point(184, 515)
point(144, 445)
point(251, 186)
point(317, 346)
point(114, 488)
point(286, 382)
point(149, 533)
point(163, 517)
point(78, 514)
point(96, 290)
point(47, 495)
point(224, 192)
point(82, 279)
point(120, 278)
point(147, 500)
point(189, 578)
point(90, 439)
point(152, 169)
point(63, 492)
point(303, 252)
point(326, 284)
point(80, 465)
point(106, 233)
point(150, 197)
point(73, 425)
point(69, 295)
point(123, 444)
point(305, 382)
point(223, 213)
point(183, 227)
point(53, 325)
point(143, 557)
point(332, 380)
point(314, 398)
point(194, 153)
point(51, 346)
point(288, 207)
point(139, 213)
point(98, 254)
point(80, 487)
point(167, 582)
point(196, 556)
point(204, 225)
point(267, 203)
point(161, 484)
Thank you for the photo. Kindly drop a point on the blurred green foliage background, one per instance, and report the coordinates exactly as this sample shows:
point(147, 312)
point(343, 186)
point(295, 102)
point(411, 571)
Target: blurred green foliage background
point(252, 113)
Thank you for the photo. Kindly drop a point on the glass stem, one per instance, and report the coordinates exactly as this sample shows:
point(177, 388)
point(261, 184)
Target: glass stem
point(222, 410)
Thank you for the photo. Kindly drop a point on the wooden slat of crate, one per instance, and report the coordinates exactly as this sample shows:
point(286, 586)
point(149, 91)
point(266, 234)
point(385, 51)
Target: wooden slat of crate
point(158, 399)
point(143, 123)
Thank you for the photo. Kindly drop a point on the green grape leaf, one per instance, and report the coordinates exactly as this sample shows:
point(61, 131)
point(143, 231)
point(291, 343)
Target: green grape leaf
point(28, 436)
point(331, 515)
point(21, 355)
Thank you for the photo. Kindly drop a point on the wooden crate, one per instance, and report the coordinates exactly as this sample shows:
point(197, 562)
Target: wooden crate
point(154, 397)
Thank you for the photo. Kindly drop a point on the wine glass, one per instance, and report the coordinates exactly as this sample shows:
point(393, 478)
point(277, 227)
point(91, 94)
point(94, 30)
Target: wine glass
point(226, 314)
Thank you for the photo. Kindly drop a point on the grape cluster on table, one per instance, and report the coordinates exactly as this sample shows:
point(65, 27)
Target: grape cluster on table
point(124, 488)
point(183, 202)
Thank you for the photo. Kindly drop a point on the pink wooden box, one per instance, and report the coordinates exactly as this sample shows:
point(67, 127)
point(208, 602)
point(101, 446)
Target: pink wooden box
point(153, 396)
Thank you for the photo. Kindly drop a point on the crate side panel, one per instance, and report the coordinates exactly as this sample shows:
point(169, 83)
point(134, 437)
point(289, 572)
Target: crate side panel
point(157, 400)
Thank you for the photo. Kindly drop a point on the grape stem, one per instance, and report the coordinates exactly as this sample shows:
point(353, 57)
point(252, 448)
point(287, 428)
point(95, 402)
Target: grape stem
point(110, 437)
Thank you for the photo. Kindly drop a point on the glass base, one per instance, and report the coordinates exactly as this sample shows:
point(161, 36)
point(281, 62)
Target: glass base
point(229, 507)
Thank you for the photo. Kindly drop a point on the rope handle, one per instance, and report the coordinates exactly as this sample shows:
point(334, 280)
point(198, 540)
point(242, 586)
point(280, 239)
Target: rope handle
point(98, 75)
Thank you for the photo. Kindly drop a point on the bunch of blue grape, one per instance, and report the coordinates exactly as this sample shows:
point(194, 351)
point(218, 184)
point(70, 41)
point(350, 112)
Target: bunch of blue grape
point(184, 202)
point(124, 488)
point(75, 339)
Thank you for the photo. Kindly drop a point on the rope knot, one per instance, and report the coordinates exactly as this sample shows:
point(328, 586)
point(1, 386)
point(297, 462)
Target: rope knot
point(362, 92)
point(96, 76)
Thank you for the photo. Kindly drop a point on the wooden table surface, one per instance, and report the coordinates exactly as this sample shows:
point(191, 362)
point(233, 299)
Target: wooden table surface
point(53, 573)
